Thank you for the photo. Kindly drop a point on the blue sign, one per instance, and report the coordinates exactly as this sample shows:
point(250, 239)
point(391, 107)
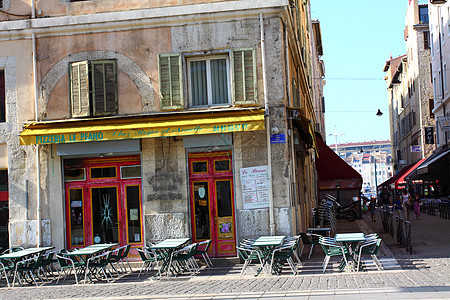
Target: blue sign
point(279, 138)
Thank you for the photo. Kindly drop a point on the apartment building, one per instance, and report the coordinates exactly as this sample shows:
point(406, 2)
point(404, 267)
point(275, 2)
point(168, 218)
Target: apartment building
point(141, 120)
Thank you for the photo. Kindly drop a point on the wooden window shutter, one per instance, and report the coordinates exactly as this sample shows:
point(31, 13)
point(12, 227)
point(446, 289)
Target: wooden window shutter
point(79, 89)
point(170, 81)
point(104, 87)
point(244, 76)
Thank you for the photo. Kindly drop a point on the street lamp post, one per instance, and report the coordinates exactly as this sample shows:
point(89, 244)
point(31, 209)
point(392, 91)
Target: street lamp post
point(335, 139)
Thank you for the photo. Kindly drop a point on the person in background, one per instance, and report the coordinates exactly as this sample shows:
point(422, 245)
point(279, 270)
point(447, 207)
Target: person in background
point(372, 208)
point(385, 198)
point(397, 207)
point(417, 205)
point(406, 202)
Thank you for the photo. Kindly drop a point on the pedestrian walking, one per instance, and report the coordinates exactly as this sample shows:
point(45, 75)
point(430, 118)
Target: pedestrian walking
point(385, 198)
point(406, 202)
point(372, 208)
point(417, 206)
point(398, 207)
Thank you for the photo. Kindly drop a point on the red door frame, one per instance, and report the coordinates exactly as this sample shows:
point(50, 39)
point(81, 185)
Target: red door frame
point(86, 187)
point(219, 247)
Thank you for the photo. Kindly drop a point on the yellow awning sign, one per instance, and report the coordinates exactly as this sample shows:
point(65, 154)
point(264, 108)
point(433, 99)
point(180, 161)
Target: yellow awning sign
point(172, 125)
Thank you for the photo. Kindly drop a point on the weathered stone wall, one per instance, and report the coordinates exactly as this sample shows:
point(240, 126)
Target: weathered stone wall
point(164, 186)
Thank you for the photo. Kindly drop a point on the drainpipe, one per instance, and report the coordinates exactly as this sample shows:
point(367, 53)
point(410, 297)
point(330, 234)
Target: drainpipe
point(36, 110)
point(267, 114)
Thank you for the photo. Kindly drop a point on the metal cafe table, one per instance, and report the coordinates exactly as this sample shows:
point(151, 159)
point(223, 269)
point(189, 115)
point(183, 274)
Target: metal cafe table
point(87, 252)
point(267, 244)
point(319, 230)
point(349, 241)
point(166, 249)
point(16, 257)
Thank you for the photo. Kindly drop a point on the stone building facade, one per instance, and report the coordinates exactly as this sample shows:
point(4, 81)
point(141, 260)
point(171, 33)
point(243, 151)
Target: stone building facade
point(134, 121)
point(410, 92)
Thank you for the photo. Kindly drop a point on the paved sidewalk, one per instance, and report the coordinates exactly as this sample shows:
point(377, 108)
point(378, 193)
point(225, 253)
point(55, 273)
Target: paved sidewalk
point(423, 275)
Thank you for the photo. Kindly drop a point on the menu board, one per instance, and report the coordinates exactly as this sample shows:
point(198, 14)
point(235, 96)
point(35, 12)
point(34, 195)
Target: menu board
point(255, 187)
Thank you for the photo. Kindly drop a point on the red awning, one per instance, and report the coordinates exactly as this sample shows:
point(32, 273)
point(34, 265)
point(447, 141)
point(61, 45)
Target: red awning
point(333, 172)
point(401, 179)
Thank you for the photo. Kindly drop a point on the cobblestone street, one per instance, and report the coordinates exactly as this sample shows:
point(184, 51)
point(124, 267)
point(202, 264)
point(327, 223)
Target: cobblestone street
point(405, 276)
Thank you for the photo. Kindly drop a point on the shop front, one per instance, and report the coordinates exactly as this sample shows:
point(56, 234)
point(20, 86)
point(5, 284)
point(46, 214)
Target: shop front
point(143, 180)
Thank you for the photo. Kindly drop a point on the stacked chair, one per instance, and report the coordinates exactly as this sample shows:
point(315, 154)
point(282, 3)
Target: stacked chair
point(325, 213)
point(369, 247)
point(331, 248)
point(285, 252)
point(248, 254)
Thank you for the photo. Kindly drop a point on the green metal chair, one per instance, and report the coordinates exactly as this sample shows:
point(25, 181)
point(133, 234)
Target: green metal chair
point(369, 247)
point(248, 255)
point(184, 260)
point(97, 265)
point(308, 239)
point(202, 249)
point(68, 265)
point(6, 268)
point(119, 255)
point(332, 248)
point(149, 260)
point(284, 253)
point(28, 267)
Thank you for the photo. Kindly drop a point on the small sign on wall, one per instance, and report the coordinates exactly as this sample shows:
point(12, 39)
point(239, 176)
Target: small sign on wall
point(429, 135)
point(279, 138)
point(255, 187)
point(416, 148)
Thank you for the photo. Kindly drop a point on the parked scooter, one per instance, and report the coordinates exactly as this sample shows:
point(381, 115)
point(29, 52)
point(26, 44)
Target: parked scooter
point(345, 212)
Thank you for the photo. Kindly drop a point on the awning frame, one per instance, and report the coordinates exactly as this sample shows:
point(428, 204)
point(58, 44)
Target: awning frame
point(144, 126)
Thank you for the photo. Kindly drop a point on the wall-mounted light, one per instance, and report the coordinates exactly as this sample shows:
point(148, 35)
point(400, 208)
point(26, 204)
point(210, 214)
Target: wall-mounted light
point(438, 2)
point(379, 113)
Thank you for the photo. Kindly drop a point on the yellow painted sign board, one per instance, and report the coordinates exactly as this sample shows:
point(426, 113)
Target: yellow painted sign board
point(45, 134)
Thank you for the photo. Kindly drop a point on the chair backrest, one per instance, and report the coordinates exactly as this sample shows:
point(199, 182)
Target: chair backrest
point(305, 238)
point(204, 246)
point(143, 254)
point(126, 251)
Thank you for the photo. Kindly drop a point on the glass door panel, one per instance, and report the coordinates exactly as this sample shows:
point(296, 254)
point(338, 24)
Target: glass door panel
point(224, 209)
point(133, 213)
point(201, 210)
point(104, 215)
point(76, 217)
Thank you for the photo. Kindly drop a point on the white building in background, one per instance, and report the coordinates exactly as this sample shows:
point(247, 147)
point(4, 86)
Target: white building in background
point(372, 160)
point(440, 59)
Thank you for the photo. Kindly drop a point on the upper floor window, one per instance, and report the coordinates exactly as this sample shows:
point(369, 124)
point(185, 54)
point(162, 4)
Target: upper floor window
point(209, 81)
point(423, 14)
point(93, 88)
point(2, 97)
point(212, 80)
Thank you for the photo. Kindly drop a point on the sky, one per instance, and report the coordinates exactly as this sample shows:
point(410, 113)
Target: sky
point(358, 37)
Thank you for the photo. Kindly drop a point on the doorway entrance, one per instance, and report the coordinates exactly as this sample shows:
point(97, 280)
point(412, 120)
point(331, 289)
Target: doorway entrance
point(103, 201)
point(212, 201)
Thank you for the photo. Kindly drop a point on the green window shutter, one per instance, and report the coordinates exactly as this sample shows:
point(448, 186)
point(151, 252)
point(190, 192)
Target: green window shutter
point(104, 87)
point(243, 76)
point(79, 89)
point(170, 81)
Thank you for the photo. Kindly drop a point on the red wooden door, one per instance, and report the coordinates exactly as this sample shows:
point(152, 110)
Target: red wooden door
point(103, 201)
point(212, 201)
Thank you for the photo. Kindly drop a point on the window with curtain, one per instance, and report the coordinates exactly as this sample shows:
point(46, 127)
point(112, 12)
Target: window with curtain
point(209, 81)
point(212, 80)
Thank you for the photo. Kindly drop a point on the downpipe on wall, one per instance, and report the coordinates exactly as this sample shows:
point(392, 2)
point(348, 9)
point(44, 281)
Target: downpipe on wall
point(36, 109)
point(267, 115)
